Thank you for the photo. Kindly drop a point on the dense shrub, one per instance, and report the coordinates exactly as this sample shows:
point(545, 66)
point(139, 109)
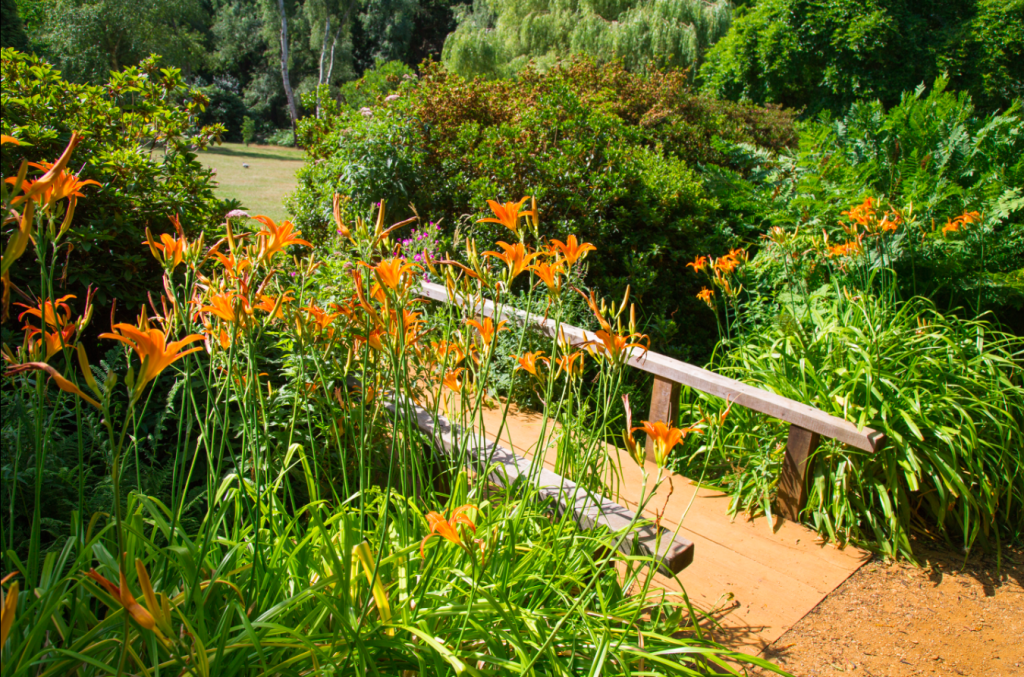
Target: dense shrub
point(948, 393)
point(932, 158)
point(828, 55)
point(621, 159)
point(139, 137)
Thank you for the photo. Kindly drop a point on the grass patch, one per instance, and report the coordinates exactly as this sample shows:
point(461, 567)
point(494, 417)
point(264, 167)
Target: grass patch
point(263, 185)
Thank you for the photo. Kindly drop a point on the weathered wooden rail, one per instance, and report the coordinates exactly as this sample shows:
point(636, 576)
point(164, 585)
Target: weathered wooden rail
point(807, 424)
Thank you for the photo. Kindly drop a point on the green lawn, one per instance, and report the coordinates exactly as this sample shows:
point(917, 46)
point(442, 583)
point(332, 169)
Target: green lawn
point(263, 185)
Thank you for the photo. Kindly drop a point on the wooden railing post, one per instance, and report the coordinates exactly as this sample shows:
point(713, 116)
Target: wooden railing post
point(664, 407)
point(792, 491)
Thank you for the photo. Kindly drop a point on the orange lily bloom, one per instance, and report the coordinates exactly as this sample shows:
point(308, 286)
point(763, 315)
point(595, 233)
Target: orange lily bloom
point(50, 312)
point(487, 329)
point(62, 383)
point(8, 604)
point(228, 306)
point(514, 257)
point(698, 264)
point(863, 213)
point(530, 361)
point(665, 438)
point(8, 139)
point(439, 526)
point(275, 237)
point(268, 303)
point(124, 597)
point(507, 214)
point(550, 273)
point(168, 251)
point(233, 266)
point(568, 363)
point(390, 272)
point(845, 249)
point(571, 249)
point(372, 339)
point(42, 186)
point(443, 349)
point(613, 344)
point(153, 350)
point(52, 342)
point(451, 380)
point(706, 295)
point(321, 317)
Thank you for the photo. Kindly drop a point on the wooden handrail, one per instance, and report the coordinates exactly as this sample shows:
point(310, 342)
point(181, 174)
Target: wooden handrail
point(807, 424)
point(676, 371)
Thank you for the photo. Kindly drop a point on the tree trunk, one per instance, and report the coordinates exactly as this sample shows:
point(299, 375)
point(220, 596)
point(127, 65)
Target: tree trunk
point(323, 52)
point(293, 111)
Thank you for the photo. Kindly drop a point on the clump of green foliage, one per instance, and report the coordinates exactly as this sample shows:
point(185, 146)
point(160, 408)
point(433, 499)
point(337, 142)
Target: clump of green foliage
point(829, 55)
point(827, 316)
point(932, 158)
point(623, 160)
point(139, 136)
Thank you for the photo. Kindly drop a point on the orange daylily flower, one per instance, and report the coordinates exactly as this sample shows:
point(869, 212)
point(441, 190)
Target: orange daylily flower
point(706, 295)
point(51, 342)
point(169, 251)
point(43, 185)
point(8, 605)
point(275, 237)
point(487, 329)
point(124, 597)
point(863, 213)
point(731, 261)
point(268, 303)
point(571, 249)
point(233, 266)
point(54, 314)
point(665, 438)
point(390, 272)
point(372, 339)
point(445, 528)
point(530, 361)
point(152, 348)
point(451, 380)
point(4, 138)
point(845, 249)
point(613, 344)
point(550, 273)
point(507, 214)
point(514, 257)
point(954, 225)
point(698, 264)
point(321, 318)
point(568, 363)
point(62, 383)
point(228, 306)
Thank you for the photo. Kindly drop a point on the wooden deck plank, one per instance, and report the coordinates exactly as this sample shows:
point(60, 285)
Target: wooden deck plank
point(775, 576)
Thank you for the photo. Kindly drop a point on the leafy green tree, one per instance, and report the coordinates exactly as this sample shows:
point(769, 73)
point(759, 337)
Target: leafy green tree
point(498, 37)
point(89, 39)
point(819, 55)
point(388, 28)
point(12, 33)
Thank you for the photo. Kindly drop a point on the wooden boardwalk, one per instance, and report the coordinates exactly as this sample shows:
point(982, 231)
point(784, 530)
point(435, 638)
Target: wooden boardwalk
point(757, 581)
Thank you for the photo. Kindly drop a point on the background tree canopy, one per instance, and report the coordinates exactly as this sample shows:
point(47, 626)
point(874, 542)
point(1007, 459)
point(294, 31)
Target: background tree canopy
point(827, 55)
point(499, 37)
